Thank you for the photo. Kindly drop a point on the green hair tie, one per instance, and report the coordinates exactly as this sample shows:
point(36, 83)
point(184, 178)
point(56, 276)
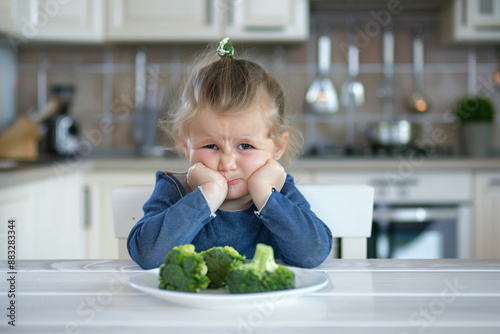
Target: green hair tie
point(225, 48)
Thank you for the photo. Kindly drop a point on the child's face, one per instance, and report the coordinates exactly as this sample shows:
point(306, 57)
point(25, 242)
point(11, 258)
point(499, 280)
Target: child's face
point(234, 145)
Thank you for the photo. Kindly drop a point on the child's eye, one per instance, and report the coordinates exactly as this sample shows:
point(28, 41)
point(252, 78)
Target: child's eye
point(211, 146)
point(244, 146)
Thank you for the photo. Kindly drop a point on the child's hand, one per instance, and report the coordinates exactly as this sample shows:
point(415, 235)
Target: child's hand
point(212, 183)
point(261, 182)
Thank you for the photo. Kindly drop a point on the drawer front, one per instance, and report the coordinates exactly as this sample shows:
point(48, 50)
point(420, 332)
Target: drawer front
point(430, 187)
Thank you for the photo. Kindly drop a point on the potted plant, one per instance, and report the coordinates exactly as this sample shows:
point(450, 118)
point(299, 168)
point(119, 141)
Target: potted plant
point(476, 114)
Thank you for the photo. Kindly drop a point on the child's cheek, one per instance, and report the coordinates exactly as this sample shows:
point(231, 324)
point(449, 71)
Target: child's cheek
point(207, 157)
point(253, 159)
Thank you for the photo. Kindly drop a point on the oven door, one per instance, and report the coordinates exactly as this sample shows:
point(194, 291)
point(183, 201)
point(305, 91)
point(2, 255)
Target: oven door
point(414, 232)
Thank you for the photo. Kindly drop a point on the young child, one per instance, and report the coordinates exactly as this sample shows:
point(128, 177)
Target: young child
point(231, 126)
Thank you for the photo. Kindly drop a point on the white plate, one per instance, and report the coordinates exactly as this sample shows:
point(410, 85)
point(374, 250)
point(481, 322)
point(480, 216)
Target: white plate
point(306, 281)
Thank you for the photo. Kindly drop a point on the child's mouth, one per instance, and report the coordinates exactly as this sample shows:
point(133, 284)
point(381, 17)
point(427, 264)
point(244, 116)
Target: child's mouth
point(231, 182)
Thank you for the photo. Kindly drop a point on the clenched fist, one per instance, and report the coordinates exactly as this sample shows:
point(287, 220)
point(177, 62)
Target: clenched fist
point(212, 183)
point(261, 182)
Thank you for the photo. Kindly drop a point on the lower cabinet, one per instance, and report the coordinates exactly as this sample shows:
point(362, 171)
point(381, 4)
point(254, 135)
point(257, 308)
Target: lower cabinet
point(487, 215)
point(71, 217)
point(482, 188)
point(48, 215)
point(100, 239)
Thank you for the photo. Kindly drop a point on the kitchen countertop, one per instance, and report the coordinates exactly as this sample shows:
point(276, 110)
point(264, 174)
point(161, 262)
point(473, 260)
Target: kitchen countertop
point(32, 171)
point(361, 296)
point(316, 164)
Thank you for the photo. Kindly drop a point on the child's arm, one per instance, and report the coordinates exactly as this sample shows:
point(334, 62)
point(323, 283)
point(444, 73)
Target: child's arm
point(302, 239)
point(169, 220)
point(263, 180)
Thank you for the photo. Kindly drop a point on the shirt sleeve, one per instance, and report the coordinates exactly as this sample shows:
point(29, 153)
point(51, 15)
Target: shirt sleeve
point(169, 220)
point(302, 239)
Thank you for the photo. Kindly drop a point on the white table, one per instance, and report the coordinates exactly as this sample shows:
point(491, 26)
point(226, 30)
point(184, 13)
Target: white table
point(363, 296)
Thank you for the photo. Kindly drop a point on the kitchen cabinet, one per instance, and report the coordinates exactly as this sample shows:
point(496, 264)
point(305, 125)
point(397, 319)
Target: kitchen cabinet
point(471, 21)
point(58, 21)
point(484, 14)
point(100, 239)
point(49, 217)
point(157, 20)
point(163, 20)
point(7, 17)
point(263, 20)
point(487, 215)
point(207, 20)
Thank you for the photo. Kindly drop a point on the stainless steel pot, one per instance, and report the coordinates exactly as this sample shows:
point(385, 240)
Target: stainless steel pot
point(393, 134)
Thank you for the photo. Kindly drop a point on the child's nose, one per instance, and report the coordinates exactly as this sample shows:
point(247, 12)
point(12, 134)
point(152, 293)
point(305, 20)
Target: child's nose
point(227, 162)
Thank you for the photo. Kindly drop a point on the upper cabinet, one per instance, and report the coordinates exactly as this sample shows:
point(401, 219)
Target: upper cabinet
point(69, 21)
point(264, 20)
point(156, 20)
point(162, 20)
point(471, 21)
point(484, 14)
point(7, 17)
point(207, 20)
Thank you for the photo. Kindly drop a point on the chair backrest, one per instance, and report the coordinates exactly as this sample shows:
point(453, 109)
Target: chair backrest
point(127, 202)
point(346, 209)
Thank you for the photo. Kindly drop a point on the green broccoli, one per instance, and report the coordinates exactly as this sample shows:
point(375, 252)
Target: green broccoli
point(262, 274)
point(219, 260)
point(184, 270)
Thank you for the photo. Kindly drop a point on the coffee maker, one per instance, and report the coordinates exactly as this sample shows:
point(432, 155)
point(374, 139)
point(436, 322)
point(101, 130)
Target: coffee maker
point(62, 130)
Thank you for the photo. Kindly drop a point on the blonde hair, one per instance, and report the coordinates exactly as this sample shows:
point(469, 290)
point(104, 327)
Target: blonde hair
point(229, 86)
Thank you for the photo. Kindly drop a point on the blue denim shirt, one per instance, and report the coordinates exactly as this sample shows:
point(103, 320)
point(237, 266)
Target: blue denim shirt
point(172, 218)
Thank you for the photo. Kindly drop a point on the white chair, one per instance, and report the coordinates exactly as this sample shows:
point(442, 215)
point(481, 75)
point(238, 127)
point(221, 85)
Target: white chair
point(127, 202)
point(346, 209)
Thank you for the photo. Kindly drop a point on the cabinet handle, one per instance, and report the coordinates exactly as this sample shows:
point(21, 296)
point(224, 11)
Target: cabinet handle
point(412, 215)
point(88, 206)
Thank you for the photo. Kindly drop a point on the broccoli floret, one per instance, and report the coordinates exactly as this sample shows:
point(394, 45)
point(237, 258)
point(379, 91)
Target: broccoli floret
point(219, 260)
point(184, 270)
point(262, 274)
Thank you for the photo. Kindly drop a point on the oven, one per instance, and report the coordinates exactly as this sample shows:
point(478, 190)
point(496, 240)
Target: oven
point(417, 214)
point(422, 216)
point(420, 231)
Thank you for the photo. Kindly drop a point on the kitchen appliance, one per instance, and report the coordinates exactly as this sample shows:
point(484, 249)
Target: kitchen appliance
point(62, 137)
point(417, 214)
point(422, 216)
point(321, 96)
point(65, 135)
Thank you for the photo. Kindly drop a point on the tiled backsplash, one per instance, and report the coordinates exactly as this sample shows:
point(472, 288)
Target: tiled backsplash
point(104, 80)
